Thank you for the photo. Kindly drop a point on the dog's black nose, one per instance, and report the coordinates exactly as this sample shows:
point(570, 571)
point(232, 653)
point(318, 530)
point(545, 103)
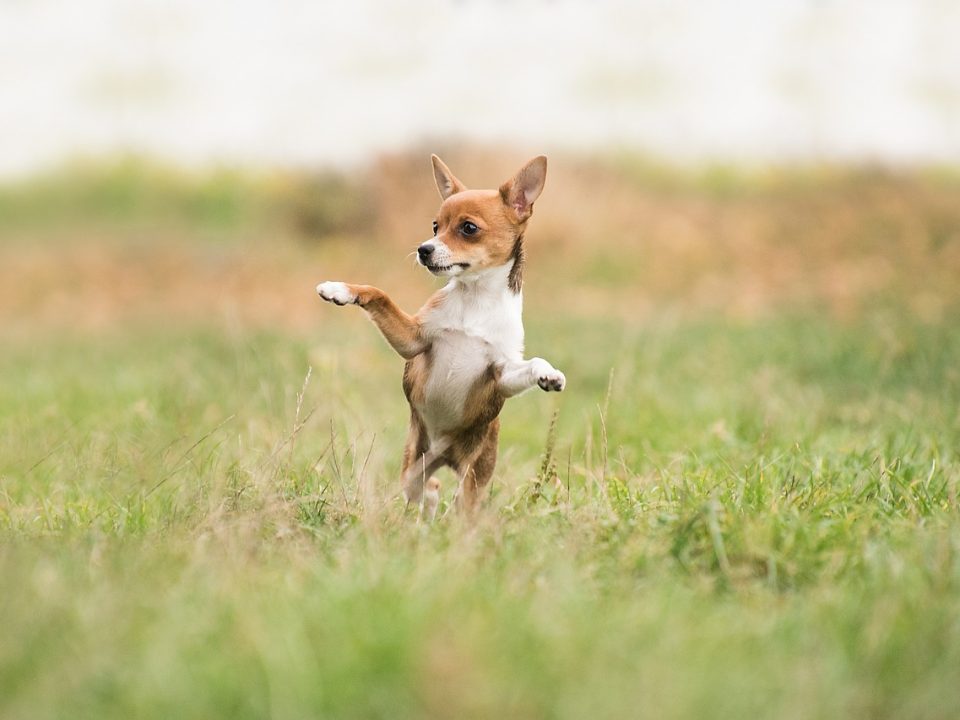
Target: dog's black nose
point(425, 251)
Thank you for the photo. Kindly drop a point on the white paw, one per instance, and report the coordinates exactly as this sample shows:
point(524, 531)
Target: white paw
point(431, 499)
point(336, 292)
point(547, 376)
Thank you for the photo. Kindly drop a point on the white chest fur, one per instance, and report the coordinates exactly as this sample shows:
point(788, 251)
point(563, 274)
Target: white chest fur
point(478, 322)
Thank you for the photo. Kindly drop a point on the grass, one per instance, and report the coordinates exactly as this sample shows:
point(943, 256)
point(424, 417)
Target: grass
point(753, 528)
point(725, 515)
point(133, 192)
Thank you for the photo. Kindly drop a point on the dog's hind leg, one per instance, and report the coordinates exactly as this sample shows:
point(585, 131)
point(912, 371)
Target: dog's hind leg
point(419, 485)
point(475, 475)
point(420, 461)
point(431, 499)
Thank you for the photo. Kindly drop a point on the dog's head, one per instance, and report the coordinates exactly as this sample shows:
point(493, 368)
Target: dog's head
point(475, 230)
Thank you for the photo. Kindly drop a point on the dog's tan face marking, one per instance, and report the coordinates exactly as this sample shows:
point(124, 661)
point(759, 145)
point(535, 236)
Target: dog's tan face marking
point(476, 229)
point(480, 229)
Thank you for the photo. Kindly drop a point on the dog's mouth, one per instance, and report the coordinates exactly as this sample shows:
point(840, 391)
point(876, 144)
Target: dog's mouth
point(441, 269)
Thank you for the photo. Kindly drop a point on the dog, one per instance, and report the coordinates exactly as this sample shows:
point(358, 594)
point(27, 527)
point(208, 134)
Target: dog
point(464, 347)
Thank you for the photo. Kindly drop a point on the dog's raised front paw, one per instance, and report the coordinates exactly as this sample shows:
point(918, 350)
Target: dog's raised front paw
point(336, 292)
point(554, 381)
point(548, 377)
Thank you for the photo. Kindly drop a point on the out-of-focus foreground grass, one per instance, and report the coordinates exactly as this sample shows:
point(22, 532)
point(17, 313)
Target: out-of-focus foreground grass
point(745, 507)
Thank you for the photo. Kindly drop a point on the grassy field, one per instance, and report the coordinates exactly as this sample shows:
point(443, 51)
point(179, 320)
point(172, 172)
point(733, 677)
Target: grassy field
point(744, 505)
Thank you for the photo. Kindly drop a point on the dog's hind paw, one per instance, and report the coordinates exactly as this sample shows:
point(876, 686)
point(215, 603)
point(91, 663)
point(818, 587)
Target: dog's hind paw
point(336, 292)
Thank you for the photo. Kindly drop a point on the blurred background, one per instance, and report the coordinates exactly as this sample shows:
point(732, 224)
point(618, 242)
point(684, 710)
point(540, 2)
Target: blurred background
point(159, 157)
point(745, 259)
point(306, 84)
point(183, 174)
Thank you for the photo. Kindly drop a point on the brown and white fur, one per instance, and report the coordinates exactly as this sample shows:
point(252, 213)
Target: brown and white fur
point(464, 348)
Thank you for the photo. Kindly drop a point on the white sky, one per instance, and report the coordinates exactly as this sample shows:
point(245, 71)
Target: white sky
point(308, 82)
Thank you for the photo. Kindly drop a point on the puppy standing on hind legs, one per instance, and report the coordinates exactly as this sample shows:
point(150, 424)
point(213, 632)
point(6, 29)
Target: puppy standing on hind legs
point(464, 347)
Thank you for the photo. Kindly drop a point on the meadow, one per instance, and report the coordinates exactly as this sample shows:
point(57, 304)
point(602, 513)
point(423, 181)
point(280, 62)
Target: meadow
point(745, 504)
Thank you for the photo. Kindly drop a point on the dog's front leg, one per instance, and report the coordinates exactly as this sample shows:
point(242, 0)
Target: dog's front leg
point(515, 377)
point(402, 331)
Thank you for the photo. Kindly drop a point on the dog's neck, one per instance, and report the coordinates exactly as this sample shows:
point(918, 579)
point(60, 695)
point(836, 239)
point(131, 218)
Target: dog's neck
point(482, 304)
point(488, 283)
point(494, 280)
point(481, 297)
point(515, 279)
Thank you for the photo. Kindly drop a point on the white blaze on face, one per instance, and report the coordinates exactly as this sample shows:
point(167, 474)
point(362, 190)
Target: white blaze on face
point(441, 257)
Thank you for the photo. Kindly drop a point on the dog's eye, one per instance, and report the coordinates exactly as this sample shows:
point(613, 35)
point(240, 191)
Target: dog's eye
point(468, 228)
point(435, 227)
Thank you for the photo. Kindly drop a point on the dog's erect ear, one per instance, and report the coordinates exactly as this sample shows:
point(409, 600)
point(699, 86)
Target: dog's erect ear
point(447, 182)
point(525, 187)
